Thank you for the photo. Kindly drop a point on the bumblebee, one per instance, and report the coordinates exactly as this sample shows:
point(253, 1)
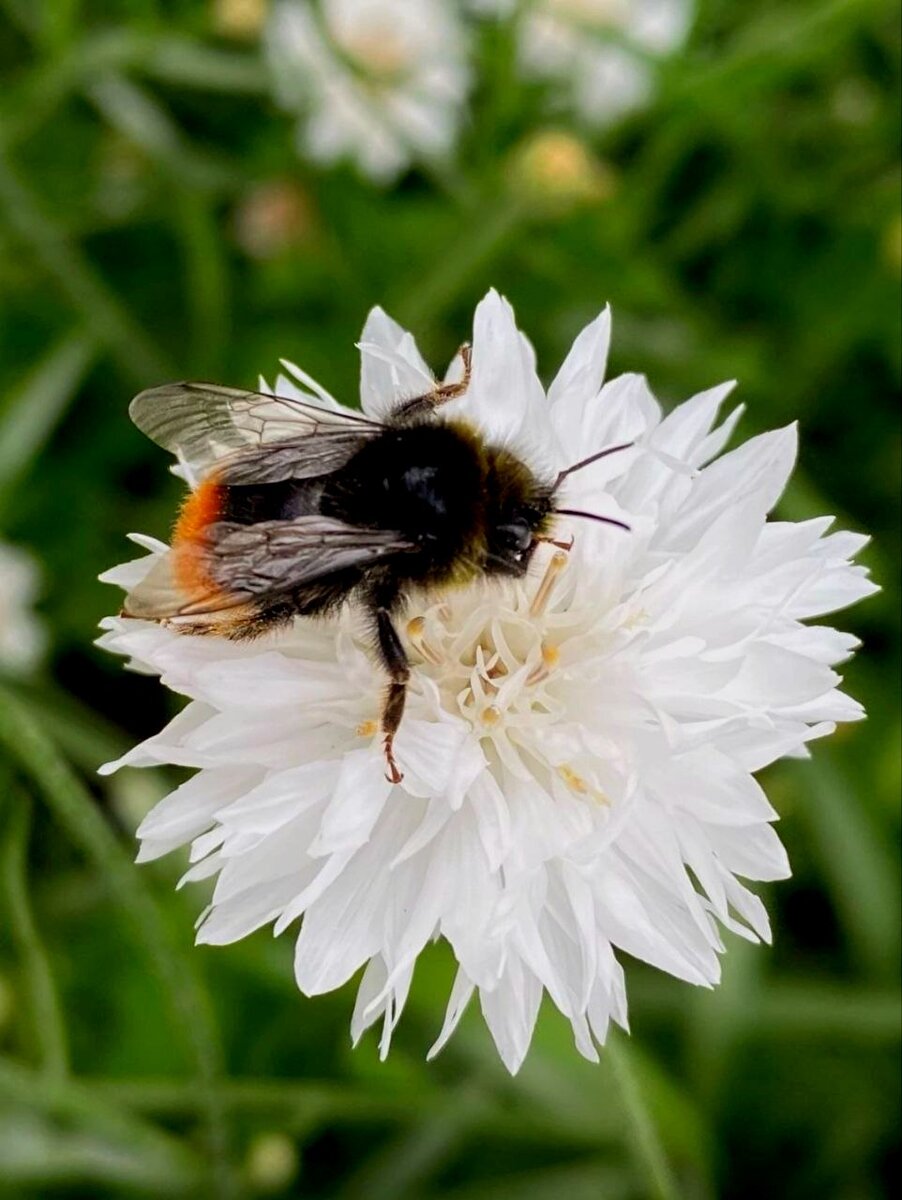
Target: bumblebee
point(298, 507)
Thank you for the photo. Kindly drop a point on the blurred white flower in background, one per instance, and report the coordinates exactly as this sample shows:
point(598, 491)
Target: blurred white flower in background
point(601, 53)
point(21, 637)
point(381, 82)
point(578, 749)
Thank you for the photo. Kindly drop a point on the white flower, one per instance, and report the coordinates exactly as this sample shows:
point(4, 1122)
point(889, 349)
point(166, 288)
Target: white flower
point(602, 52)
point(578, 751)
point(378, 81)
point(21, 638)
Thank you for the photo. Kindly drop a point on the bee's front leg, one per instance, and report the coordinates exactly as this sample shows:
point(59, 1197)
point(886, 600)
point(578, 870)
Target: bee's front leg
point(441, 393)
point(395, 661)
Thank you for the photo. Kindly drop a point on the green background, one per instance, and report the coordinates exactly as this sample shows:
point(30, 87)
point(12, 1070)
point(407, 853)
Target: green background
point(745, 225)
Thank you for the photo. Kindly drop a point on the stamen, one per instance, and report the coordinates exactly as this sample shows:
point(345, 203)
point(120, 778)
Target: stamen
point(577, 784)
point(551, 656)
point(415, 628)
point(543, 594)
point(573, 781)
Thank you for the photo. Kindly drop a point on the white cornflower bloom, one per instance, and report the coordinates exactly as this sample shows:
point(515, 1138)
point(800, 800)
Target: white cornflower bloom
point(602, 52)
point(381, 82)
point(21, 637)
point(579, 748)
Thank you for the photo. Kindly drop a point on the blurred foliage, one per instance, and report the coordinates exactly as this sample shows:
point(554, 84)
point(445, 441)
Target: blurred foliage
point(155, 223)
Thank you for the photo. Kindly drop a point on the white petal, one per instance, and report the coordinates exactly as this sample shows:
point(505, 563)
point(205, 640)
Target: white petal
point(391, 367)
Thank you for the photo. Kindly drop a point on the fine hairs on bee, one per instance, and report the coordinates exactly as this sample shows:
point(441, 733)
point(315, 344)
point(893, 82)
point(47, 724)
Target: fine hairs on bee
point(300, 508)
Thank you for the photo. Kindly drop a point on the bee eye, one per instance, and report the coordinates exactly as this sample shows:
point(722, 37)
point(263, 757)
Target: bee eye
point(516, 535)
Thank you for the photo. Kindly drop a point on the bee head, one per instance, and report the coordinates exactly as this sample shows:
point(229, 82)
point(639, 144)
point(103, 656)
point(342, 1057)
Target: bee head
point(513, 537)
point(519, 509)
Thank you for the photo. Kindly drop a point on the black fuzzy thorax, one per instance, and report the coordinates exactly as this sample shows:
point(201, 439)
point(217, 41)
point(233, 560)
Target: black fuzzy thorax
point(438, 485)
point(428, 483)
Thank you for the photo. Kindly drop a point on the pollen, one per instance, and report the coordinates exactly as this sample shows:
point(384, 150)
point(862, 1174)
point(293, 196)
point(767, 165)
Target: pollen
point(494, 660)
point(367, 729)
point(577, 784)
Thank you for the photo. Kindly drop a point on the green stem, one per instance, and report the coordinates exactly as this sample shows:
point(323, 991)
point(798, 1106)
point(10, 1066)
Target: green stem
point(303, 1105)
point(207, 281)
point(640, 1127)
point(31, 413)
point(48, 1032)
point(76, 812)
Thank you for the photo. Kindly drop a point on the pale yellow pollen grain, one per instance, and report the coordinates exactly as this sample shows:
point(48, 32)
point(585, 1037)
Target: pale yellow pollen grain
point(367, 728)
point(491, 715)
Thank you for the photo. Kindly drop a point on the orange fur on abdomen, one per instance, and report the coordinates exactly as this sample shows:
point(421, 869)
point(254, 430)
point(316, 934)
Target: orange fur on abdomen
point(202, 507)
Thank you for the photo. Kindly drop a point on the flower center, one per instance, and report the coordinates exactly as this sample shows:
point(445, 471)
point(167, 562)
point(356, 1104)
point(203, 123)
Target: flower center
point(493, 662)
point(376, 48)
point(501, 664)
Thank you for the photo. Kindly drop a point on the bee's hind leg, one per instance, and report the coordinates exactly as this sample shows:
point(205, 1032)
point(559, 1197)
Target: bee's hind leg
point(395, 661)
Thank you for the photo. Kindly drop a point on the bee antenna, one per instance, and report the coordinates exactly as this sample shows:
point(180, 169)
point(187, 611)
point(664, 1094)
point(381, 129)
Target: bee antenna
point(585, 462)
point(589, 516)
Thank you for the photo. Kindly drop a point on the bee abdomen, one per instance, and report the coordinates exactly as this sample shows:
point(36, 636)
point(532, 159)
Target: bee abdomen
point(202, 508)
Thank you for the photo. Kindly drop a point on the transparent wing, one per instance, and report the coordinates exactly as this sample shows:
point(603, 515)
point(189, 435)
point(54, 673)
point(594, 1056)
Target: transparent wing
point(261, 438)
point(234, 564)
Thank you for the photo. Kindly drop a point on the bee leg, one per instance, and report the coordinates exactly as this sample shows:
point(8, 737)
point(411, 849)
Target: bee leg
point(398, 668)
point(441, 393)
point(567, 546)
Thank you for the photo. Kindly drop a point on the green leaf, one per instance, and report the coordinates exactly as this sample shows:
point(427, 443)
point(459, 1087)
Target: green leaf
point(107, 1145)
point(76, 812)
point(42, 1009)
point(858, 869)
point(30, 414)
point(95, 303)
